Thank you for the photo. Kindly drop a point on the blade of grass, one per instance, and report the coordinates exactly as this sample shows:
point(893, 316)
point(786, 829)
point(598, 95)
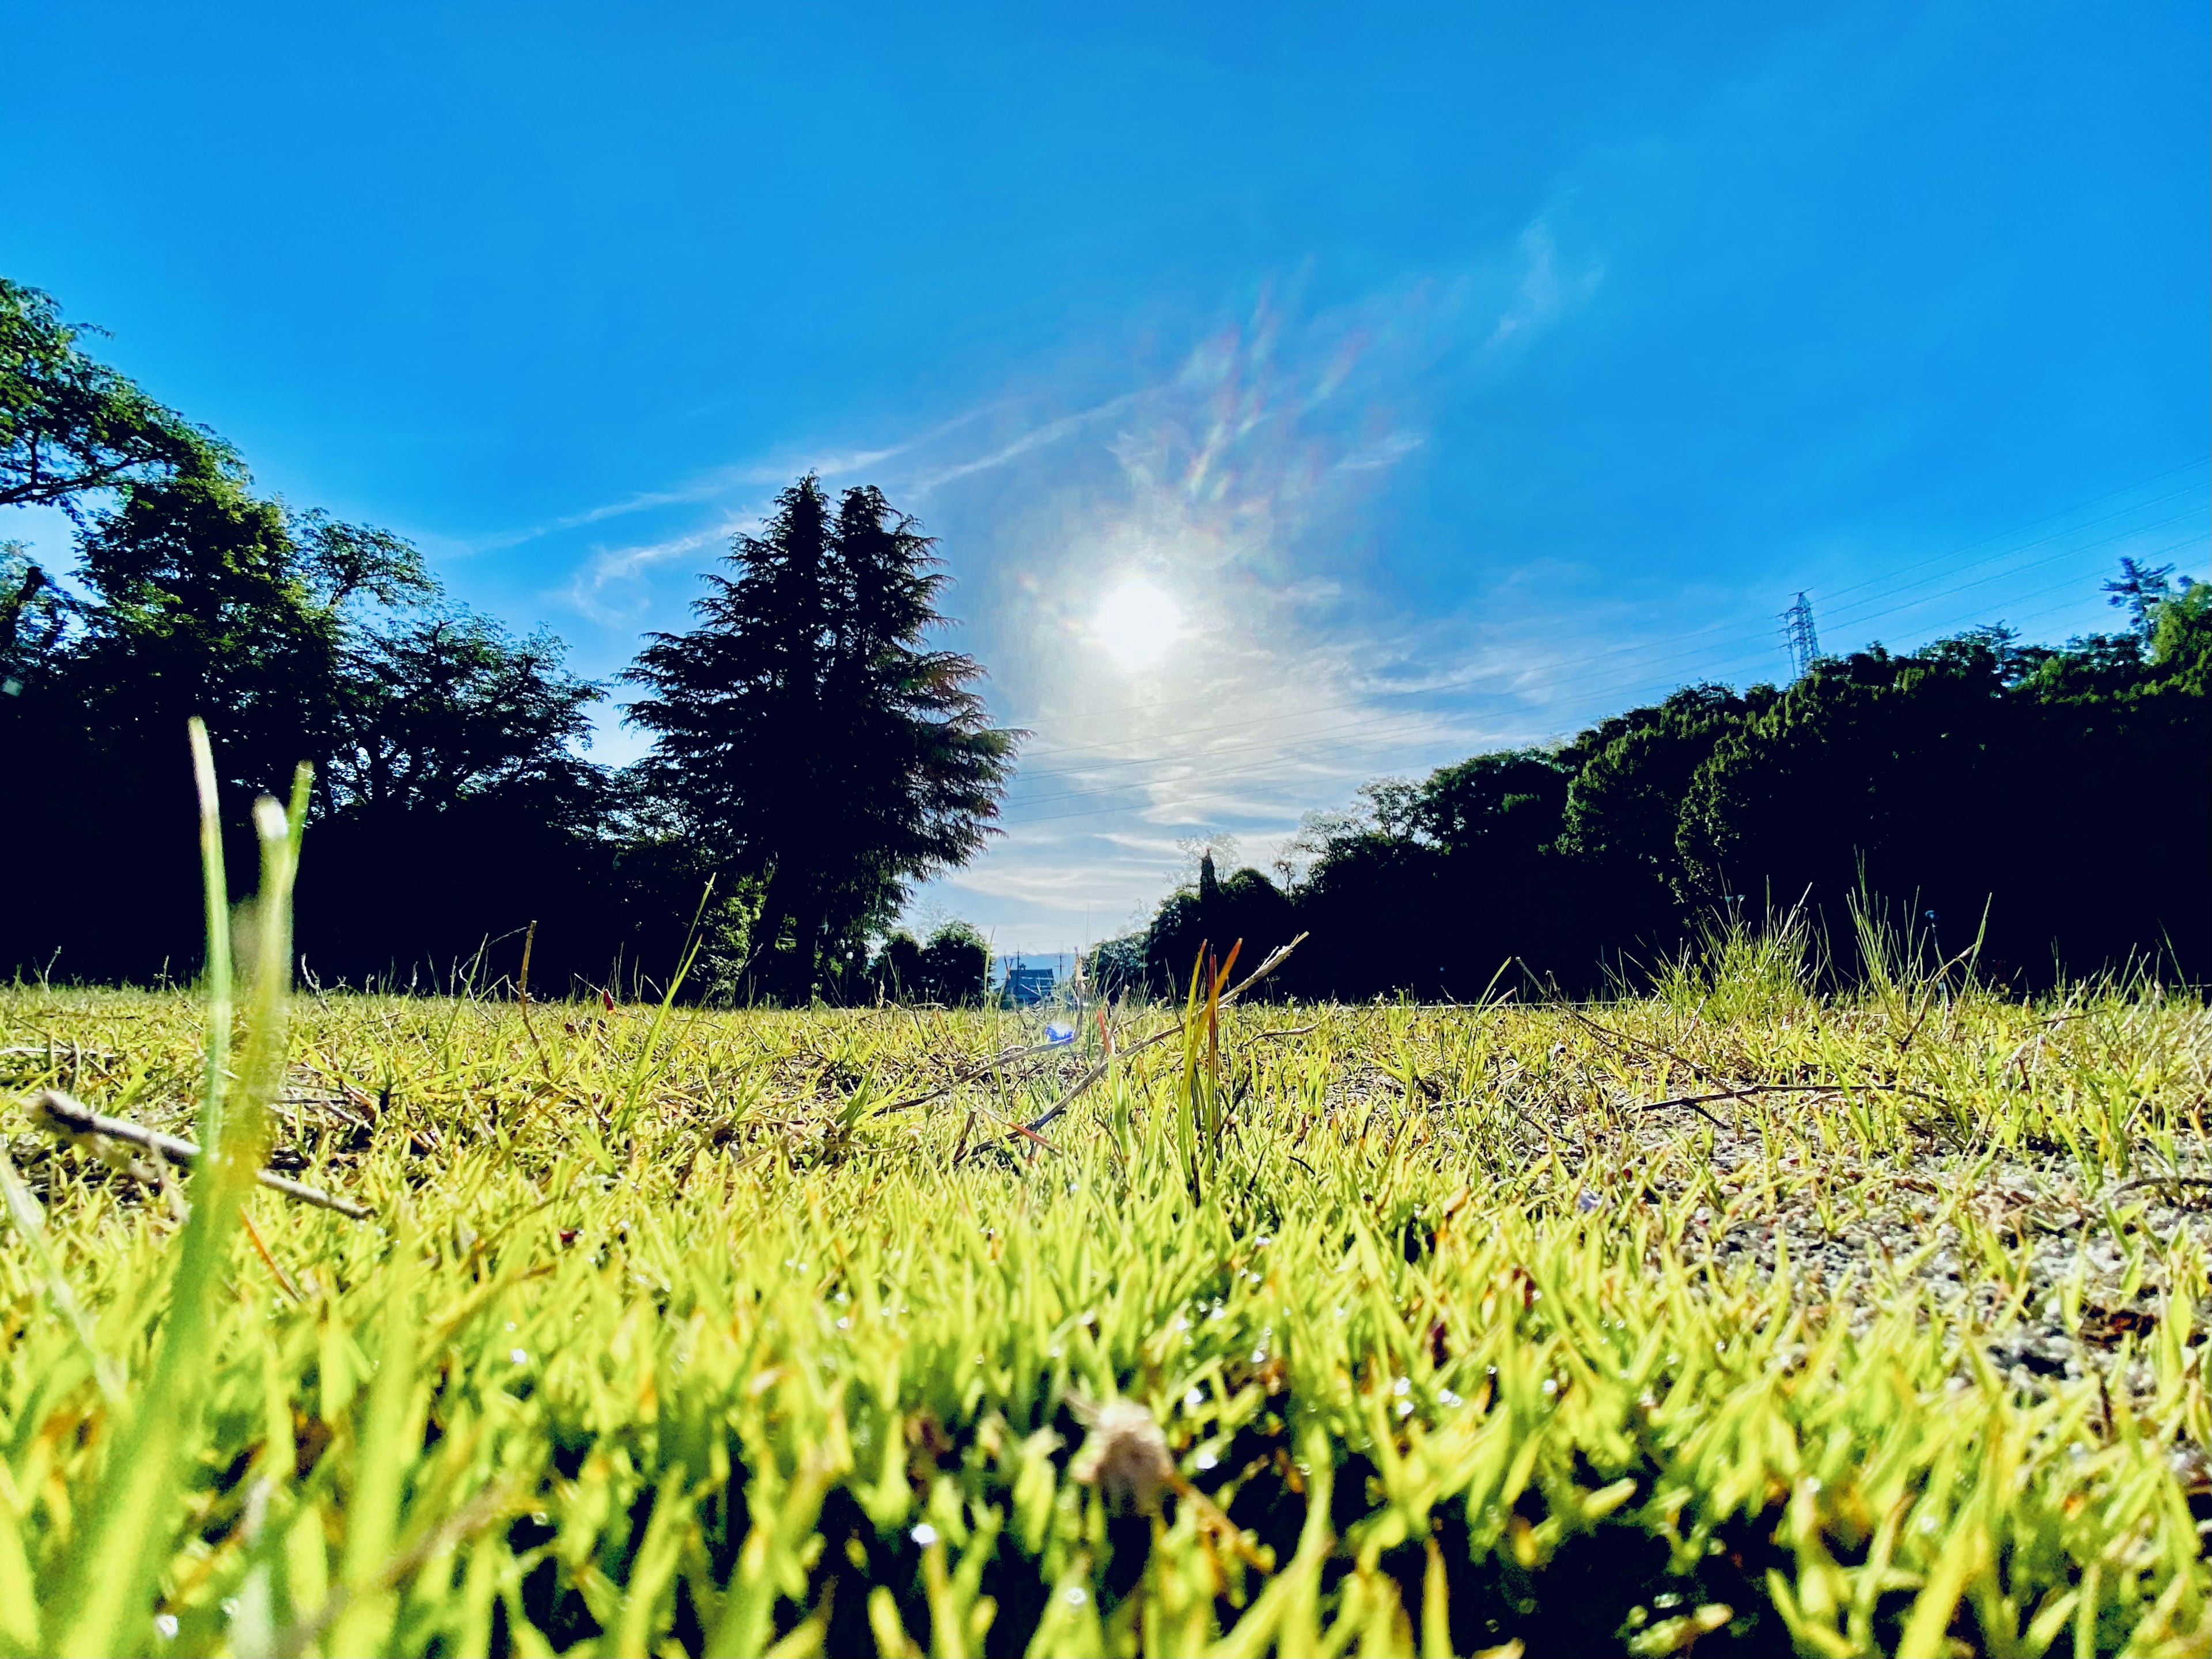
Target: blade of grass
point(104, 1602)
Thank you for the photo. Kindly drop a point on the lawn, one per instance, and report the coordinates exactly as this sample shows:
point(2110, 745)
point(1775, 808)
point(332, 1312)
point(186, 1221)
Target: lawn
point(1738, 1315)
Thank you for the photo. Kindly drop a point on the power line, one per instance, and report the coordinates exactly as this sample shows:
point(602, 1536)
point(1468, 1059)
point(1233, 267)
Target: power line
point(1555, 672)
point(2007, 535)
point(1916, 564)
point(2032, 564)
point(1303, 753)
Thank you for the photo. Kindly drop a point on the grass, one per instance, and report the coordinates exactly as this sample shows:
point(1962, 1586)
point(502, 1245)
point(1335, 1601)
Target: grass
point(674, 1331)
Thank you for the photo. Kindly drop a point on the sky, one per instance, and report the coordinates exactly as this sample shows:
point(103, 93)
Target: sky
point(1300, 395)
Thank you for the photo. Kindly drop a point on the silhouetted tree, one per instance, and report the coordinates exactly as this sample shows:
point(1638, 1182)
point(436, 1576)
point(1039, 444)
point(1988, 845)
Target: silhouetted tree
point(897, 972)
point(2064, 789)
point(1213, 913)
point(1116, 967)
point(956, 964)
point(450, 804)
point(211, 601)
point(809, 737)
point(2140, 590)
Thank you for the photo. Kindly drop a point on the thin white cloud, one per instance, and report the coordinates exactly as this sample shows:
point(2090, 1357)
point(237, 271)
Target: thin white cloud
point(622, 567)
point(1238, 487)
point(720, 483)
point(1546, 291)
point(1051, 433)
point(1388, 452)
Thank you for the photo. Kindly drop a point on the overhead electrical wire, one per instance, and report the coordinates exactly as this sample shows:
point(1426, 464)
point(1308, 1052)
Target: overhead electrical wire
point(1261, 767)
point(1830, 595)
point(1305, 752)
point(1557, 671)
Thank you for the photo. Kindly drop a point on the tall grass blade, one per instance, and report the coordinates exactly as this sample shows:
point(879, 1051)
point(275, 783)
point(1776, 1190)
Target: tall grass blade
point(105, 1600)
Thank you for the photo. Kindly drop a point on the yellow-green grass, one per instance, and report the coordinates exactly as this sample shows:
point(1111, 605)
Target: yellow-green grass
point(667, 1336)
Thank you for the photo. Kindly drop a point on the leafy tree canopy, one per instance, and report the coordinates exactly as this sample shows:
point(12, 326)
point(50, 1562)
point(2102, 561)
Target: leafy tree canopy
point(70, 425)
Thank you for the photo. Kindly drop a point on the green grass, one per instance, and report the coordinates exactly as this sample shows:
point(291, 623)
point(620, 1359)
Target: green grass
point(666, 1336)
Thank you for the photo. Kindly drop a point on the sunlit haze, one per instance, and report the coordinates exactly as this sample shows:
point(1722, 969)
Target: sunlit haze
point(1136, 623)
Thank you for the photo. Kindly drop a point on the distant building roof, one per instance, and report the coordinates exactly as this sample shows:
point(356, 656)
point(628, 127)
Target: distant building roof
point(1030, 984)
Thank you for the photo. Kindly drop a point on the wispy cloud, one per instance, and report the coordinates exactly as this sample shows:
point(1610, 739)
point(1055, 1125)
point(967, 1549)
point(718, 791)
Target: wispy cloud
point(1546, 291)
point(719, 483)
point(618, 568)
point(1243, 486)
point(922, 483)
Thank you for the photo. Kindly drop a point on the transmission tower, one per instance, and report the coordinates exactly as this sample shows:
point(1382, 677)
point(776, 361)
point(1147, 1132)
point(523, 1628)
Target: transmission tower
point(1798, 633)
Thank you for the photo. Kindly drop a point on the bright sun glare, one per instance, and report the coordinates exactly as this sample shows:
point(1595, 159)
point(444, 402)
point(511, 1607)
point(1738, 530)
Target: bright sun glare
point(1136, 623)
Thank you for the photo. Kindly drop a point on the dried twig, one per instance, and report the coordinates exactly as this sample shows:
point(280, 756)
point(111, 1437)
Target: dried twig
point(522, 996)
point(64, 1115)
point(993, 1064)
point(1613, 1036)
point(1697, 1102)
point(2162, 1181)
point(283, 1279)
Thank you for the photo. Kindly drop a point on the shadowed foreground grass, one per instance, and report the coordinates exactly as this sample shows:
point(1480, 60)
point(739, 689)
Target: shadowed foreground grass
point(677, 1332)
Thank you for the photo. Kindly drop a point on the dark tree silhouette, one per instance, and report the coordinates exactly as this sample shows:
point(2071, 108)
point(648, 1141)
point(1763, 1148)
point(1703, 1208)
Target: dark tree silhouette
point(213, 602)
point(955, 965)
point(811, 738)
point(2062, 793)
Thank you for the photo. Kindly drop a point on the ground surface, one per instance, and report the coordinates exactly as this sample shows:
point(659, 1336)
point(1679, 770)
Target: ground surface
point(703, 1332)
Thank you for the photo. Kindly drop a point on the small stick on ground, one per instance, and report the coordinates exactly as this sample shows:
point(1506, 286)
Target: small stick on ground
point(1003, 1057)
point(64, 1115)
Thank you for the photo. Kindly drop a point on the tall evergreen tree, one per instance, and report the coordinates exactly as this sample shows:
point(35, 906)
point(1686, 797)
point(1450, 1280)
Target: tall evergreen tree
point(809, 735)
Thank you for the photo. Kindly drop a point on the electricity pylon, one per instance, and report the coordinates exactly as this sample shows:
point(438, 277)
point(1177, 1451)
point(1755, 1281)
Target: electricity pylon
point(1798, 633)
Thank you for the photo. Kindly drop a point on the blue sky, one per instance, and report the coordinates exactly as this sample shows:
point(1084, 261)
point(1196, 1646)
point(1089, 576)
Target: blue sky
point(1301, 394)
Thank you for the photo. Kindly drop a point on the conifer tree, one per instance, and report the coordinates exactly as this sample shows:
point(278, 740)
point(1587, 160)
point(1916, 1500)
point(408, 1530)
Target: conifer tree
point(808, 735)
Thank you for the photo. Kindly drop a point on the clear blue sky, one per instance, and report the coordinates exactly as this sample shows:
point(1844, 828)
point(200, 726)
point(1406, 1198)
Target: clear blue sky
point(1300, 393)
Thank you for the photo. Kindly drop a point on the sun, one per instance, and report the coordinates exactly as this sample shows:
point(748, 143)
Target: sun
point(1136, 623)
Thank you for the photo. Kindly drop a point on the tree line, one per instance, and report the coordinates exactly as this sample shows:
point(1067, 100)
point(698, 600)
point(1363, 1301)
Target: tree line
point(813, 753)
point(2050, 807)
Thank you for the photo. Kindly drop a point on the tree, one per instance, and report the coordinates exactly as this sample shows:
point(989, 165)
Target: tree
point(951, 970)
point(808, 736)
point(897, 972)
point(452, 807)
point(1115, 967)
point(70, 425)
point(34, 616)
point(2059, 793)
point(1215, 913)
point(449, 802)
point(446, 707)
point(212, 601)
point(955, 965)
point(2140, 590)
